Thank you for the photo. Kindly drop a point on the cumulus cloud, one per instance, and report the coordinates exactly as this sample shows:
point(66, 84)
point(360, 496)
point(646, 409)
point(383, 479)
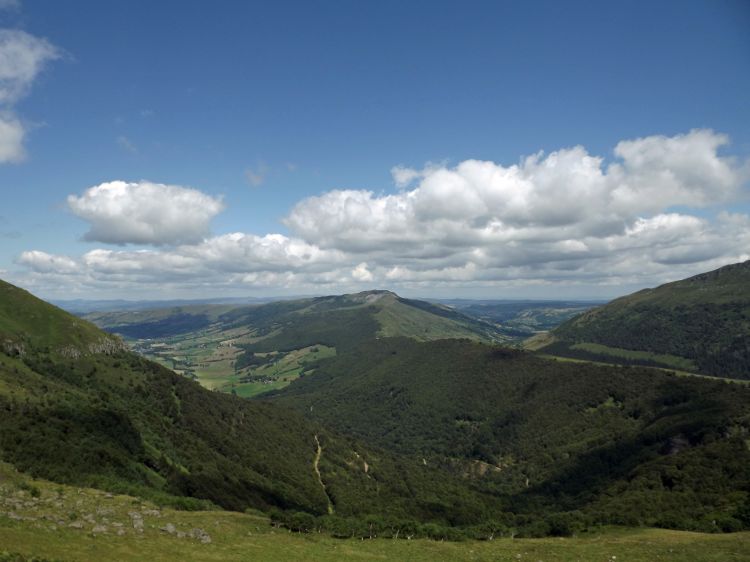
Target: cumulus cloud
point(42, 262)
point(145, 213)
point(567, 218)
point(403, 176)
point(22, 58)
point(567, 194)
point(361, 273)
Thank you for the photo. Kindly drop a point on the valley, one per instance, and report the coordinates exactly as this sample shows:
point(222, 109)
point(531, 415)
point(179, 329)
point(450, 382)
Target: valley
point(390, 281)
point(248, 350)
point(208, 343)
point(361, 415)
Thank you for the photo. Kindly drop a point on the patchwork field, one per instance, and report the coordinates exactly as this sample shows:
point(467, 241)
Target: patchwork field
point(210, 356)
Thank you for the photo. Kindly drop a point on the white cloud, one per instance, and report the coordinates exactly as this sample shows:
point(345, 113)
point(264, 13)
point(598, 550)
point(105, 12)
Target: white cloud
point(12, 134)
point(42, 262)
point(22, 58)
point(361, 273)
point(659, 171)
point(567, 194)
point(145, 213)
point(564, 219)
point(403, 176)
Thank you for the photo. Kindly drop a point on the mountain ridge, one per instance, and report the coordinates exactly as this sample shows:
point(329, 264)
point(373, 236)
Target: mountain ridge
point(699, 324)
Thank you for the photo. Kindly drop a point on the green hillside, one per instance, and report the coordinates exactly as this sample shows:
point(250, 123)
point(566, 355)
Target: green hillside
point(42, 521)
point(248, 350)
point(700, 324)
point(620, 445)
point(74, 410)
point(24, 323)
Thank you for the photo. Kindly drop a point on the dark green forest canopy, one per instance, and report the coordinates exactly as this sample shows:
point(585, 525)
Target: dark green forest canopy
point(704, 319)
point(111, 419)
point(541, 432)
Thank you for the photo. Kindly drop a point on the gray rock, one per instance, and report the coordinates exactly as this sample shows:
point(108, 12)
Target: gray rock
point(200, 535)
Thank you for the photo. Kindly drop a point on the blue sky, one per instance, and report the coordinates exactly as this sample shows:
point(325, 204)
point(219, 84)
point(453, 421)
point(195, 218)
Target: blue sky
point(269, 132)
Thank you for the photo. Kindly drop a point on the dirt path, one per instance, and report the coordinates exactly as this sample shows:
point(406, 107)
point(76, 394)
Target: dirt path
point(318, 454)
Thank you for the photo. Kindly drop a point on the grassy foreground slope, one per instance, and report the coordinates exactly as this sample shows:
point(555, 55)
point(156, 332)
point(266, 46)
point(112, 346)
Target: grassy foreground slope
point(700, 324)
point(613, 445)
point(76, 407)
point(39, 519)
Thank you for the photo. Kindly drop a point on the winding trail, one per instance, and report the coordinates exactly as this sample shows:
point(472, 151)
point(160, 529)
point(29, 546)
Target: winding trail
point(318, 454)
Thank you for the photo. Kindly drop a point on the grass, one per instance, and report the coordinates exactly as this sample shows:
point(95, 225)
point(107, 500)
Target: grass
point(668, 360)
point(35, 519)
point(402, 320)
point(209, 355)
point(241, 541)
point(676, 372)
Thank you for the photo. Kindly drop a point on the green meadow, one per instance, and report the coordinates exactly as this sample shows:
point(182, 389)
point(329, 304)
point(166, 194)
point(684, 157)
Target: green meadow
point(47, 521)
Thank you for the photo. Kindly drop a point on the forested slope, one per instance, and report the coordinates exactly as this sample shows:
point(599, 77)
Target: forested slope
point(620, 444)
point(703, 320)
point(77, 407)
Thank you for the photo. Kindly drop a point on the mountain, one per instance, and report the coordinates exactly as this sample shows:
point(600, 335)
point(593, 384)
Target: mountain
point(618, 445)
point(700, 324)
point(77, 407)
point(300, 321)
point(249, 350)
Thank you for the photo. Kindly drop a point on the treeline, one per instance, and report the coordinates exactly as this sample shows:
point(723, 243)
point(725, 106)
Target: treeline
point(545, 436)
point(566, 349)
point(715, 336)
point(376, 526)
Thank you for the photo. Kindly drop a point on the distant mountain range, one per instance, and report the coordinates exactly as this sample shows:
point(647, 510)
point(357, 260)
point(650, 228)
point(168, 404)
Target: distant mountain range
point(85, 306)
point(389, 315)
point(700, 324)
